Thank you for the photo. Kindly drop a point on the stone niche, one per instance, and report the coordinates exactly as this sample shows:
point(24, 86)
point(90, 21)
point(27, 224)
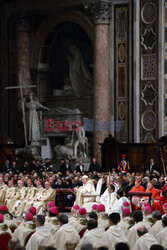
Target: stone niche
point(65, 82)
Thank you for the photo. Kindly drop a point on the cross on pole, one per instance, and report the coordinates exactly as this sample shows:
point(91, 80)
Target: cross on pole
point(21, 87)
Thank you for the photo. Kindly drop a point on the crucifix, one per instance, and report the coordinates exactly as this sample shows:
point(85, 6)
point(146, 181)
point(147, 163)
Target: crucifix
point(21, 87)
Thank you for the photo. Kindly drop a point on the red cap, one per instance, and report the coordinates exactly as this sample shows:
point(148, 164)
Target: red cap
point(94, 207)
point(53, 210)
point(82, 211)
point(33, 210)
point(148, 209)
point(137, 181)
point(1, 218)
point(146, 205)
point(75, 207)
point(126, 211)
point(165, 205)
point(125, 204)
point(3, 208)
point(101, 208)
point(29, 216)
point(51, 204)
point(124, 155)
point(12, 181)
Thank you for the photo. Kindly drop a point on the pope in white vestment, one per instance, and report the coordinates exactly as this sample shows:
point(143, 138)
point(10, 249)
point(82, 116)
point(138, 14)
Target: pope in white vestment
point(96, 237)
point(66, 235)
point(87, 188)
point(145, 242)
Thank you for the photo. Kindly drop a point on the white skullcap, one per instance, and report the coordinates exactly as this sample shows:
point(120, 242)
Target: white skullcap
point(85, 177)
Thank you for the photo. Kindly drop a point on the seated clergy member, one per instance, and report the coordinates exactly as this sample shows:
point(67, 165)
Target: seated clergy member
point(50, 204)
point(8, 217)
point(19, 197)
point(96, 236)
point(137, 188)
point(10, 193)
point(52, 222)
point(47, 194)
point(115, 234)
point(42, 237)
point(148, 216)
point(66, 235)
point(3, 227)
point(161, 236)
point(3, 188)
point(126, 221)
point(87, 188)
point(157, 227)
point(25, 228)
point(74, 211)
point(81, 222)
point(145, 240)
point(132, 235)
point(109, 198)
point(102, 217)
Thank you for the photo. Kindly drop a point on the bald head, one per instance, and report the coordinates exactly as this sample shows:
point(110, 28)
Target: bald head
point(141, 231)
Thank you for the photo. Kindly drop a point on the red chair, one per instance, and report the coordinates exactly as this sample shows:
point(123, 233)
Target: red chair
point(4, 239)
point(13, 229)
point(81, 233)
point(27, 238)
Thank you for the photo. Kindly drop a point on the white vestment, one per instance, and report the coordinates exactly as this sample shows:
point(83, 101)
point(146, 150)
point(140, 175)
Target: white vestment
point(66, 235)
point(96, 237)
point(40, 239)
point(52, 224)
point(156, 228)
point(108, 199)
point(162, 237)
point(127, 222)
point(145, 242)
point(23, 231)
point(132, 235)
point(87, 188)
point(117, 207)
point(79, 224)
point(115, 235)
point(103, 220)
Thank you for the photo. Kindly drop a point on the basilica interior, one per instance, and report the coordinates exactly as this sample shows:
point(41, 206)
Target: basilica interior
point(102, 63)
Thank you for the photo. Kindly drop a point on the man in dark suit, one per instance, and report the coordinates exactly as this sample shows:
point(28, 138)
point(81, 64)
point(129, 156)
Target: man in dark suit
point(80, 167)
point(6, 167)
point(65, 166)
point(94, 166)
point(152, 167)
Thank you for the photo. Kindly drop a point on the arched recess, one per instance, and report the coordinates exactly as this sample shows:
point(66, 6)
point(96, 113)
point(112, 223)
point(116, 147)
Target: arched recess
point(54, 20)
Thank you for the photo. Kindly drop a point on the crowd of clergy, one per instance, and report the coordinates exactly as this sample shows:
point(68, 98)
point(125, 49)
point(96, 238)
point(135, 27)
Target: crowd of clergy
point(102, 215)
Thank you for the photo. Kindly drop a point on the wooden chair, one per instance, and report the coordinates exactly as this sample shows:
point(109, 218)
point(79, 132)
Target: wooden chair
point(13, 229)
point(27, 238)
point(4, 239)
point(70, 246)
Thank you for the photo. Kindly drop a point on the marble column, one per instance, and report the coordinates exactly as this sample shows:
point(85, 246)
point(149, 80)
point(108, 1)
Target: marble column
point(23, 51)
point(101, 10)
point(22, 68)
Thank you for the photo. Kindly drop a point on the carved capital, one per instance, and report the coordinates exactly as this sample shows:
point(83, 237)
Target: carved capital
point(99, 10)
point(23, 23)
